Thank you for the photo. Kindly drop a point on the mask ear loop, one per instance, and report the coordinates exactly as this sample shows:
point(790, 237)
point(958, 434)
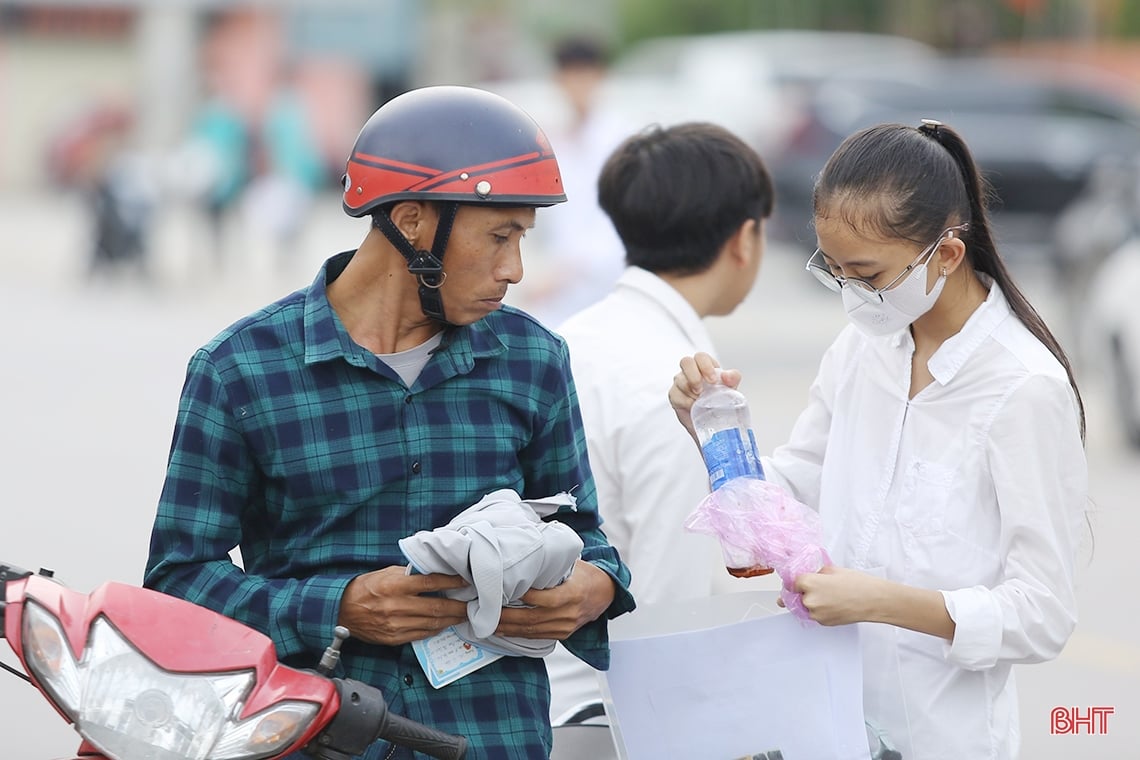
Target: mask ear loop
point(950, 235)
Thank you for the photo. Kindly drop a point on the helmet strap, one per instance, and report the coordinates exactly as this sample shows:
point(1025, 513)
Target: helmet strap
point(427, 266)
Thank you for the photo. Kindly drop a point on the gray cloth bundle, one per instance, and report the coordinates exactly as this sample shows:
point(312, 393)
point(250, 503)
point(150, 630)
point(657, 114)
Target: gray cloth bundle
point(502, 547)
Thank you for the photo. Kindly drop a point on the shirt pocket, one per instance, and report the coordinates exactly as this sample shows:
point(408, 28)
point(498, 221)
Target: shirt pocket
point(925, 499)
point(932, 514)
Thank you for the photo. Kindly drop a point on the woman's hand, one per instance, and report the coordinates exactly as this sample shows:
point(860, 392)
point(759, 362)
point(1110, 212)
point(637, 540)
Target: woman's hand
point(695, 371)
point(839, 595)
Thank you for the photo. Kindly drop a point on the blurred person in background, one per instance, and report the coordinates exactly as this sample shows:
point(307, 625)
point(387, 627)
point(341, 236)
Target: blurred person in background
point(288, 169)
point(92, 155)
point(383, 400)
point(266, 166)
point(252, 151)
point(689, 203)
point(942, 445)
point(212, 166)
point(582, 255)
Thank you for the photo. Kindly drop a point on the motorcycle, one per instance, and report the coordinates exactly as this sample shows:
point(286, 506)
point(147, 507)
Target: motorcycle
point(140, 674)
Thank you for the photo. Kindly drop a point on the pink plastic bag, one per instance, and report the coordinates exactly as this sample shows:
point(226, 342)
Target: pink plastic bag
point(758, 523)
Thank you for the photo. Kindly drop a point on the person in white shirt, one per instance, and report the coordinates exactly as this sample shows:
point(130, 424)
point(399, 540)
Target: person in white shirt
point(580, 252)
point(942, 445)
point(689, 203)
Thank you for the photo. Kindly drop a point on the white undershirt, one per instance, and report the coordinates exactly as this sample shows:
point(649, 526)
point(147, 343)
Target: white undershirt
point(408, 364)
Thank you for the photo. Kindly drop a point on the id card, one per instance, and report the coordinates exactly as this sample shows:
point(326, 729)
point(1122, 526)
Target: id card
point(446, 657)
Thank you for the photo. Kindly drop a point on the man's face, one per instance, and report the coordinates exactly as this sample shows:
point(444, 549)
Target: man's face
point(482, 260)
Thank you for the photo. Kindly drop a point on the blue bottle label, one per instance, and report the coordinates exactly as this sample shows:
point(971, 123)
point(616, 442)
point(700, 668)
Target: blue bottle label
point(727, 456)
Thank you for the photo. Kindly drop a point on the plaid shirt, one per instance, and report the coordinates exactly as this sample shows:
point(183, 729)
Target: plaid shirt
point(309, 453)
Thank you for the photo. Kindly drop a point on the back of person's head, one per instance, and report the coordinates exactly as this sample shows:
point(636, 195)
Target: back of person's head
point(580, 52)
point(677, 194)
point(901, 182)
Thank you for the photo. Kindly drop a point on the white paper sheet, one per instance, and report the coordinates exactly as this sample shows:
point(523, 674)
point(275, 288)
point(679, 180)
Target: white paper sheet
point(736, 689)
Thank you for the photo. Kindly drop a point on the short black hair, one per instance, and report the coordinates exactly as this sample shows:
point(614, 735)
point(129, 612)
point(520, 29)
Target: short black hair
point(676, 194)
point(579, 51)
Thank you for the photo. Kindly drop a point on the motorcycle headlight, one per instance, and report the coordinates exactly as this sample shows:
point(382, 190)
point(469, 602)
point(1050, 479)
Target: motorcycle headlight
point(128, 707)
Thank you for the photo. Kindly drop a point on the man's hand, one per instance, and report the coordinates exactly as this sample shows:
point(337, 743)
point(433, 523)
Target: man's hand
point(558, 612)
point(388, 607)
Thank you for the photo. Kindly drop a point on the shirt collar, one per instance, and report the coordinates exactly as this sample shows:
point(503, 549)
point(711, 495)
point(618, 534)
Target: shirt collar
point(672, 302)
point(956, 349)
point(325, 336)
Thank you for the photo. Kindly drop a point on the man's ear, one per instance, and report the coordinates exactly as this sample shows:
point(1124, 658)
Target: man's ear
point(410, 218)
point(744, 244)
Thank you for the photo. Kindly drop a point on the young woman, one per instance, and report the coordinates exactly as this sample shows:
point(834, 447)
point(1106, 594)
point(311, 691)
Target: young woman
point(942, 445)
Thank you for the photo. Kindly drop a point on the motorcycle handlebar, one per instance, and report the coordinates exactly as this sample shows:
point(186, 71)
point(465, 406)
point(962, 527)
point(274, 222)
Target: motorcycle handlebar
point(417, 736)
point(363, 718)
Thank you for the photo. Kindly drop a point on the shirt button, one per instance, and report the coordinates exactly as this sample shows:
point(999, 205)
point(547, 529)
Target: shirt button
point(407, 399)
point(408, 679)
point(416, 468)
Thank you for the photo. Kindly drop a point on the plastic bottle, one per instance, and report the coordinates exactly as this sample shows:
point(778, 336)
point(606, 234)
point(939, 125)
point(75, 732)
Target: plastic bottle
point(724, 430)
point(723, 425)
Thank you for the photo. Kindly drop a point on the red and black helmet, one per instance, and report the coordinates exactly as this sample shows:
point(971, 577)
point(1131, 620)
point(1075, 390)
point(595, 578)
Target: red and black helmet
point(450, 143)
point(454, 145)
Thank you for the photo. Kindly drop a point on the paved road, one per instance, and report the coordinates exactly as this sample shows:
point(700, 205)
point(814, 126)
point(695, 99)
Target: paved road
point(92, 373)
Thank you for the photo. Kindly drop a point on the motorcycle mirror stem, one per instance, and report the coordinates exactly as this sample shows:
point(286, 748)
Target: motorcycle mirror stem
point(332, 654)
point(11, 573)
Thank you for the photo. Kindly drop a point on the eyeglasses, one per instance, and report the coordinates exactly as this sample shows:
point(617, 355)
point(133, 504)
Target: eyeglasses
point(818, 266)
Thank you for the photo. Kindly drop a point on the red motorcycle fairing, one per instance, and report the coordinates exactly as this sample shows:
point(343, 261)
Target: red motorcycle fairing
point(86, 752)
point(175, 635)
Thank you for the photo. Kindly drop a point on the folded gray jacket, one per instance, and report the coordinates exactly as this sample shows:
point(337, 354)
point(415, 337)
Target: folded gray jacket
point(502, 547)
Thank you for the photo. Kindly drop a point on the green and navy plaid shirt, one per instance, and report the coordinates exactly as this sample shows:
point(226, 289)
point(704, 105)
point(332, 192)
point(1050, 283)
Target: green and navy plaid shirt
point(308, 452)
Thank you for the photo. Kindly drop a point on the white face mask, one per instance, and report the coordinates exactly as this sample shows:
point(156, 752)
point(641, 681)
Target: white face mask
point(901, 305)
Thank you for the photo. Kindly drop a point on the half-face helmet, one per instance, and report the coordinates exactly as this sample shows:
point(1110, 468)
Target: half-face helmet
point(449, 144)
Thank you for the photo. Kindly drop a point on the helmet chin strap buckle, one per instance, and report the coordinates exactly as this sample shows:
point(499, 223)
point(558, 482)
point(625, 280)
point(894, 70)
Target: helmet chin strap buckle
point(428, 269)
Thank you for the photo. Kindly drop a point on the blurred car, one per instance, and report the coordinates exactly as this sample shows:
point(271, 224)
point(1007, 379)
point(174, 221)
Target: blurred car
point(1101, 283)
point(1112, 339)
point(634, 102)
point(755, 82)
point(1036, 129)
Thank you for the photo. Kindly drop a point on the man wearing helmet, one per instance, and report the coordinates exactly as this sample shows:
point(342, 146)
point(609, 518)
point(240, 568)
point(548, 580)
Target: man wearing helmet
point(394, 392)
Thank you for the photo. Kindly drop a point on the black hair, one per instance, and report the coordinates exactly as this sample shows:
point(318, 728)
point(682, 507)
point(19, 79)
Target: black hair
point(579, 51)
point(922, 181)
point(677, 194)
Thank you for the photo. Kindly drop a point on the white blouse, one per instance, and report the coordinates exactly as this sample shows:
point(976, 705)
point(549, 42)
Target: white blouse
point(976, 487)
